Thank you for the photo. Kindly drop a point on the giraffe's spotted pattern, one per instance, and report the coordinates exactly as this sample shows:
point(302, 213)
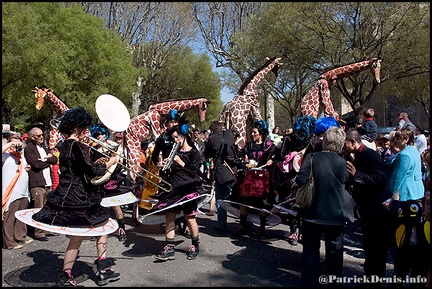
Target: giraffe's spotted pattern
point(236, 111)
point(42, 94)
point(148, 123)
point(320, 91)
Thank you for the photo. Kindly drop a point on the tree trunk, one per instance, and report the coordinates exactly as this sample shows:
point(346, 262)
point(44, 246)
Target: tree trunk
point(269, 113)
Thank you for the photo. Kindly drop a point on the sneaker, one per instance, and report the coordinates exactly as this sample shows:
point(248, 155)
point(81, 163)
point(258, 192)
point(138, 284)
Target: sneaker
point(293, 239)
point(19, 246)
point(187, 233)
point(193, 252)
point(106, 276)
point(64, 280)
point(121, 235)
point(166, 254)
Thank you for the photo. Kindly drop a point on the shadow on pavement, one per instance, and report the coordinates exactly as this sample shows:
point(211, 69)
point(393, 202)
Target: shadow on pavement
point(41, 273)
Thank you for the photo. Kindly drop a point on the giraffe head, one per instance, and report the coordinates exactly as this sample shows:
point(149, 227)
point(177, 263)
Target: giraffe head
point(40, 94)
point(202, 110)
point(277, 64)
point(376, 68)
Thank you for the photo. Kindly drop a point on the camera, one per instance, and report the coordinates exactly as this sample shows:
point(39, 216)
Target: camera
point(19, 148)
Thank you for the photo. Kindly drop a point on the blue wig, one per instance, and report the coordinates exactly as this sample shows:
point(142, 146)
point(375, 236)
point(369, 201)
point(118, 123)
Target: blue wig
point(173, 115)
point(262, 127)
point(97, 130)
point(322, 124)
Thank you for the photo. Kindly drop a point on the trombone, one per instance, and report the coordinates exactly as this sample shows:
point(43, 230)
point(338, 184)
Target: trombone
point(105, 146)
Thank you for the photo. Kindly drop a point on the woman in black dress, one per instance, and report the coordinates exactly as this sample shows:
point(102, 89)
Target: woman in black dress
point(186, 185)
point(76, 202)
point(249, 190)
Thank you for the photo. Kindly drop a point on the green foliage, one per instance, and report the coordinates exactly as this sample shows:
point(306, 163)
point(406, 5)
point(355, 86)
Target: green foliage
point(64, 49)
point(185, 75)
point(314, 37)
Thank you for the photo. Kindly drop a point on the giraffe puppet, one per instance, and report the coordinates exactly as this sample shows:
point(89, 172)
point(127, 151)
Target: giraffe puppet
point(246, 103)
point(41, 94)
point(317, 100)
point(143, 125)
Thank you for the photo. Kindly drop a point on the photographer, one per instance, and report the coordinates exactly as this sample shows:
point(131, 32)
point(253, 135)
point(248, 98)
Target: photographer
point(15, 193)
point(18, 145)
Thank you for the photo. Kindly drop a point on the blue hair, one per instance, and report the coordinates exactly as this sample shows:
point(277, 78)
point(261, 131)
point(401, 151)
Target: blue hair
point(261, 125)
point(98, 130)
point(322, 124)
point(184, 129)
point(173, 114)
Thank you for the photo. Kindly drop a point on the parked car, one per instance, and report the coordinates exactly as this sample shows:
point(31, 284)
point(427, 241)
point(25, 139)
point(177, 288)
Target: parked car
point(384, 130)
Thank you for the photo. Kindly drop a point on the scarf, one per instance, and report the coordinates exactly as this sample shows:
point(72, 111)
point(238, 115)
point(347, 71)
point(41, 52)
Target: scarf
point(8, 192)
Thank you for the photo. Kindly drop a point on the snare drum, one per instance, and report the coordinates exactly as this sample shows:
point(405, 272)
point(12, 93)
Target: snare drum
point(254, 184)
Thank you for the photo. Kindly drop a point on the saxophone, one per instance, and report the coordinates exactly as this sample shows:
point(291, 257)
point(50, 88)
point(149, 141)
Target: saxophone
point(171, 156)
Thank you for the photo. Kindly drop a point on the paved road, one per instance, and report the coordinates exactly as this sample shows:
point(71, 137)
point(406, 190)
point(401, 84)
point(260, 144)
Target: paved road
point(223, 261)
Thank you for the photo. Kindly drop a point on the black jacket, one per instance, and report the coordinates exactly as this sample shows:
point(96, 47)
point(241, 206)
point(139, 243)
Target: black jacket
point(31, 153)
point(370, 180)
point(221, 152)
point(331, 204)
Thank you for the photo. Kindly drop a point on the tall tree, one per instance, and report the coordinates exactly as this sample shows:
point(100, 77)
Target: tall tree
point(69, 51)
point(222, 25)
point(151, 30)
point(316, 37)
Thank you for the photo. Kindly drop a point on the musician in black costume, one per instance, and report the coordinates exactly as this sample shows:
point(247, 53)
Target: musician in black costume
point(162, 148)
point(118, 183)
point(261, 154)
point(163, 143)
point(186, 184)
point(76, 201)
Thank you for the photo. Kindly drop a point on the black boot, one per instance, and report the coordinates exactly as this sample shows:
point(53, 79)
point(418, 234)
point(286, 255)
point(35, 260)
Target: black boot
point(106, 274)
point(66, 280)
point(263, 220)
point(243, 230)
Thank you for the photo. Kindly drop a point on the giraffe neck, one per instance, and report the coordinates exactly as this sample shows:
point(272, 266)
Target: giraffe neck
point(58, 106)
point(181, 105)
point(346, 70)
point(258, 76)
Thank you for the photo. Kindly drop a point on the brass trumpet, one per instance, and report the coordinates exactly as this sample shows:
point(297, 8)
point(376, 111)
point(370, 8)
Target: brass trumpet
point(168, 189)
point(115, 147)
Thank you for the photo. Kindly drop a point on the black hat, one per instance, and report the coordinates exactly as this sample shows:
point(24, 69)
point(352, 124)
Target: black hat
point(73, 118)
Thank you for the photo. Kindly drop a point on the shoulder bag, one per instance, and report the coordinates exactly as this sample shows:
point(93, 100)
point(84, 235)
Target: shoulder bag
point(305, 194)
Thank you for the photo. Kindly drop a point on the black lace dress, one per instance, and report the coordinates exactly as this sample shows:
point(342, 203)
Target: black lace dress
point(75, 202)
point(185, 182)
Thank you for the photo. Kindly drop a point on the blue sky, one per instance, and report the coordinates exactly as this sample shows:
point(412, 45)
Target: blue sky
point(198, 47)
point(226, 95)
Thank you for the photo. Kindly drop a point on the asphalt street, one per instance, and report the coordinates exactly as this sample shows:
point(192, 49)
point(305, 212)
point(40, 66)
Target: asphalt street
point(223, 261)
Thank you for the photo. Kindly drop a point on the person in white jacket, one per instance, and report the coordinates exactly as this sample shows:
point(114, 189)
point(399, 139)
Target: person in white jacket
point(15, 192)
